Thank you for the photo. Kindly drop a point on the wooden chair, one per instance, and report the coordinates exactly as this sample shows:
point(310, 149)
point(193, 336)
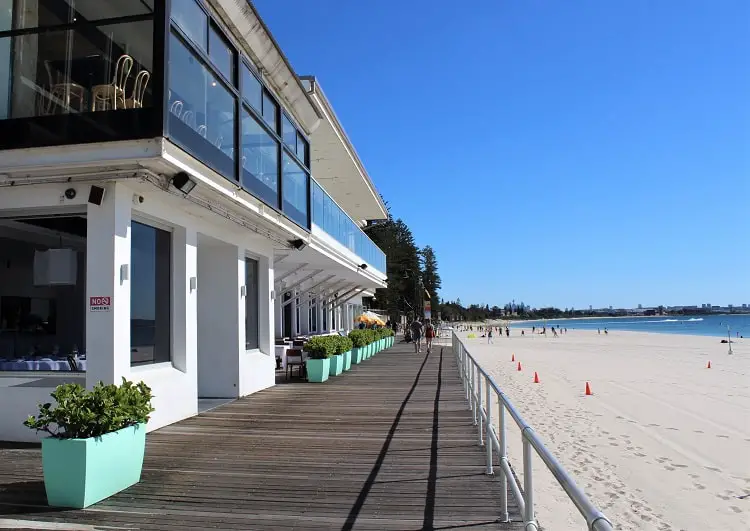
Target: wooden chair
point(294, 358)
point(108, 96)
point(61, 94)
point(135, 101)
point(72, 363)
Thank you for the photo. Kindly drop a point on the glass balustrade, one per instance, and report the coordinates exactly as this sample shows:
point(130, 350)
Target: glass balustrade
point(327, 215)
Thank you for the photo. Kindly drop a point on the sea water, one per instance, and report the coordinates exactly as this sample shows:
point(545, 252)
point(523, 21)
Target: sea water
point(702, 325)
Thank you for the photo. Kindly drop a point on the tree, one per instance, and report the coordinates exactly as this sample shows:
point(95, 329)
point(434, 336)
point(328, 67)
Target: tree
point(430, 276)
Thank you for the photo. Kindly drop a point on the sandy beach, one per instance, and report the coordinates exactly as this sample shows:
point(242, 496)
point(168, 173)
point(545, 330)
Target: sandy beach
point(664, 442)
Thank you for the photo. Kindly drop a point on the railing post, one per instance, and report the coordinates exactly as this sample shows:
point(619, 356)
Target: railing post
point(488, 436)
point(473, 394)
point(478, 380)
point(529, 522)
point(503, 451)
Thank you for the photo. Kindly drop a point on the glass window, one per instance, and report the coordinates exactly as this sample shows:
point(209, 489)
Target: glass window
point(288, 132)
point(260, 161)
point(302, 149)
point(93, 68)
point(44, 13)
point(270, 111)
point(252, 321)
point(221, 53)
point(252, 90)
point(202, 110)
point(189, 16)
point(294, 188)
point(150, 294)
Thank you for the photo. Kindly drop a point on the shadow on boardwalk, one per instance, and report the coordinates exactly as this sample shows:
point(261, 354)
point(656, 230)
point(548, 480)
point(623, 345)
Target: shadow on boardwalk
point(389, 445)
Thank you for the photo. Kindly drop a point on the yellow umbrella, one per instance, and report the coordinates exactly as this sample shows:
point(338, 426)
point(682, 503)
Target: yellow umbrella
point(363, 319)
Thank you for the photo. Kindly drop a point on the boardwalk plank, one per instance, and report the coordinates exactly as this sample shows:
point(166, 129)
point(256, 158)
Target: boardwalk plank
point(387, 446)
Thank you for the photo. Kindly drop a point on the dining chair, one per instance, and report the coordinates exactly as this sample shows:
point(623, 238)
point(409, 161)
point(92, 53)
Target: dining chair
point(108, 96)
point(176, 108)
point(61, 93)
point(294, 358)
point(135, 101)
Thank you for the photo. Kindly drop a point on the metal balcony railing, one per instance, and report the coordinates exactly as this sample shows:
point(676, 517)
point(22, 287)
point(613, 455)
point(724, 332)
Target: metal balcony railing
point(330, 217)
point(474, 378)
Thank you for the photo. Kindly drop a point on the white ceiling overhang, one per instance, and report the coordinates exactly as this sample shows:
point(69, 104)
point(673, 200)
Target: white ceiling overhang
point(336, 165)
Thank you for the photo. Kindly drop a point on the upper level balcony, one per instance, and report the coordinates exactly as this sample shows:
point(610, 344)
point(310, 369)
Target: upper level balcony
point(204, 74)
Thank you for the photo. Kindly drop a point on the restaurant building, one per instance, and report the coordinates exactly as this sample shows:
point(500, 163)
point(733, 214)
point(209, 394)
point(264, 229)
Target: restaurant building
point(173, 199)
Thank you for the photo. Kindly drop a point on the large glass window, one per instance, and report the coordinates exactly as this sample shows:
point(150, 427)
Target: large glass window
point(313, 316)
point(252, 319)
point(44, 13)
point(191, 19)
point(288, 132)
point(150, 294)
point(260, 160)
point(202, 110)
point(294, 187)
point(221, 53)
point(270, 111)
point(91, 67)
point(252, 90)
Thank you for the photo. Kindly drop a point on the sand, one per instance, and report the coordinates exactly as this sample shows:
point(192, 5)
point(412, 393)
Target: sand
point(664, 442)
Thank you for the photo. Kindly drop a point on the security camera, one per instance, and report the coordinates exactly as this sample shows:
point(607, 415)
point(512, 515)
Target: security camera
point(70, 193)
point(137, 199)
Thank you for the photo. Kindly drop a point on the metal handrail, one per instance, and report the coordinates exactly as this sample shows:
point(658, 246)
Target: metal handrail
point(473, 376)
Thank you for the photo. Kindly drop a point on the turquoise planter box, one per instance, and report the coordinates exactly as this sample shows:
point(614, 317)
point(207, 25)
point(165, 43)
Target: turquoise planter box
point(357, 354)
point(348, 360)
point(81, 472)
point(318, 370)
point(370, 350)
point(336, 365)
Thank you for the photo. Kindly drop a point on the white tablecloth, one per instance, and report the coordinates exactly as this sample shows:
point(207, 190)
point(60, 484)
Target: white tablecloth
point(39, 365)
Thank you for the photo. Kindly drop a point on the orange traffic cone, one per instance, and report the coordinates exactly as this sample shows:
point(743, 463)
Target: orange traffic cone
point(513, 357)
point(536, 377)
point(519, 365)
point(588, 390)
point(709, 365)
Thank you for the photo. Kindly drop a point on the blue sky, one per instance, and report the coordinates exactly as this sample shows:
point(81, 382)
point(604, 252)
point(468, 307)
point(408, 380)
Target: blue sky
point(559, 153)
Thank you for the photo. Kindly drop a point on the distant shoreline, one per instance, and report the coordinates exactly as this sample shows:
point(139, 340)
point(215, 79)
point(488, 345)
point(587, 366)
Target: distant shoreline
point(688, 316)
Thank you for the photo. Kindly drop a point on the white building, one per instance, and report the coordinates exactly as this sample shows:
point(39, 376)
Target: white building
point(173, 198)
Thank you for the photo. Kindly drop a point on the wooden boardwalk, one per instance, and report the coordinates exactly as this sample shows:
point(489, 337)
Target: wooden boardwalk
point(387, 446)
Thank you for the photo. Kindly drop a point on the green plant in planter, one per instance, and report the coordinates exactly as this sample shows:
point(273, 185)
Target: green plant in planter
point(97, 441)
point(319, 350)
point(359, 344)
point(342, 346)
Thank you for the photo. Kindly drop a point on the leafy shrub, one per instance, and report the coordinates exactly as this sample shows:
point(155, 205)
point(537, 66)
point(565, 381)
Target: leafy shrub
point(80, 414)
point(358, 338)
point(343, 344)
point(321, 347)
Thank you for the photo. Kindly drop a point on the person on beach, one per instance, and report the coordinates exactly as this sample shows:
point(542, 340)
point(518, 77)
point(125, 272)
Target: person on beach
point(429, 334)
point(416, 334)
point(507, 332)
point(599, 331)
point(533, 329)
point(605, 332)
point(554, 332)
point(489, 336)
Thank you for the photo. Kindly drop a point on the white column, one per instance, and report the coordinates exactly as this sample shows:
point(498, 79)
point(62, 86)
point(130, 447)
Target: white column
point(304, 314)
point(293, 305)
point(278, 315)
point(268, 316)
point(185, 301)
point(108, 257)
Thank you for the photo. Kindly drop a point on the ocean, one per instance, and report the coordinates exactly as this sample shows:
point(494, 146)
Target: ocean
point(701, 325)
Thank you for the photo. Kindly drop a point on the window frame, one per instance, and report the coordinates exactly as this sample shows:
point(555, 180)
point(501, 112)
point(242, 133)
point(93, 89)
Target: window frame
point(257, 261)
point(147, 221)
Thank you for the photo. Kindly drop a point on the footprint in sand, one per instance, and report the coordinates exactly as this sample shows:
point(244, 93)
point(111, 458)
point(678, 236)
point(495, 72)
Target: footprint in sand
point(699, 486)
point(698, 431)
point(673, 429)
point(723, 436)
point(735, 509)
point(712, 468)
point(639, 454)
point(670, 468)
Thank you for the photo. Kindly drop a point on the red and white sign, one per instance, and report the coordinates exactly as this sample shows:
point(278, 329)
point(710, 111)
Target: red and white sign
point(100, 304)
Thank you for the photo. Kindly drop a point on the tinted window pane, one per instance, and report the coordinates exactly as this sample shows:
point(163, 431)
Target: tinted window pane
point(251, 89)
point(222, 54)
point(288, 132)
point(202, 110)
point(260, 161)
point(150, 294)
point(41, 13)
point(96, 68)
point(270, 111)
point(251, 304)
point(301, 149)
point(192, 20)
point(295, 191)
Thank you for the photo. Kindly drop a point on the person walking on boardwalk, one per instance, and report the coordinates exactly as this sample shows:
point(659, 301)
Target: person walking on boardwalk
point(416, 334)
point(429, 334)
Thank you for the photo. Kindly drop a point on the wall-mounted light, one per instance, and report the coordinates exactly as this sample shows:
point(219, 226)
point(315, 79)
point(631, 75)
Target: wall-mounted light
point(363, 266)
point(124, 272)
point(298, 244)
point(183, 182)
point(243, 291)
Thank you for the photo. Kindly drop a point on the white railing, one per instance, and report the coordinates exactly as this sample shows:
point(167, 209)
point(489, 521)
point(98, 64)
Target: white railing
point(474, 378)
